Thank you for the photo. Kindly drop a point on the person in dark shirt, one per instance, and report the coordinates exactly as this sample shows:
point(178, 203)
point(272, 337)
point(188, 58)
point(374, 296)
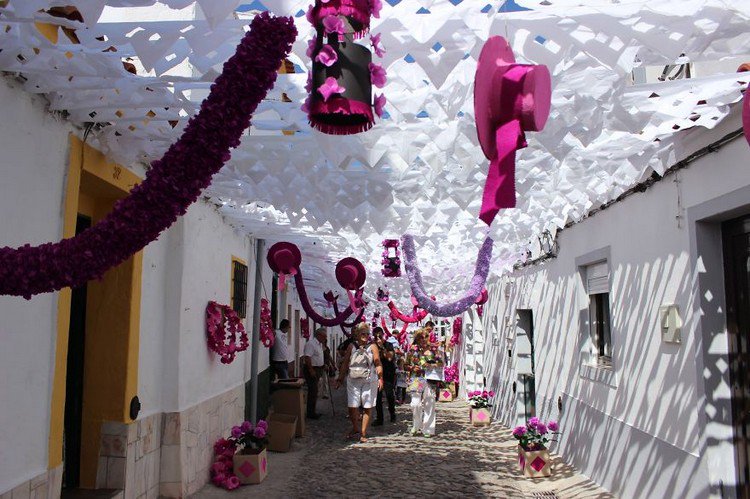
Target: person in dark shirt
point(388, 359)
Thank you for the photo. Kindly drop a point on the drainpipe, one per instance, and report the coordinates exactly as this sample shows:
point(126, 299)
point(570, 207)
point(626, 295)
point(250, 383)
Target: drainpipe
point(255, 340)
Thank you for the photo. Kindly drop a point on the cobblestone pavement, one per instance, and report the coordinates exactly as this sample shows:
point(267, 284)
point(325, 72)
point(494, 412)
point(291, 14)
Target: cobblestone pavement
point(459, 461)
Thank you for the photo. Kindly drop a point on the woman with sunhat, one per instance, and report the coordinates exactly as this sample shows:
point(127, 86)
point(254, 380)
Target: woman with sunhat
point(422, 357)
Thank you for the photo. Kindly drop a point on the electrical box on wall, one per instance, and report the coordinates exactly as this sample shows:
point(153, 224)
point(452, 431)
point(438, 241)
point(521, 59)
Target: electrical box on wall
point(670, 323)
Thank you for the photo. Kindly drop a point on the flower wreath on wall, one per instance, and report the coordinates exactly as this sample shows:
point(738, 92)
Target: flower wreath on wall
point(456, 337)
point(223, 326)
point(172, 183)
point(267, 335)
point(304, 328)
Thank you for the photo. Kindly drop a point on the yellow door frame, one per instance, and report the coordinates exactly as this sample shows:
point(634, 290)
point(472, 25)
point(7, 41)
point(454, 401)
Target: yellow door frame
point(112, 315)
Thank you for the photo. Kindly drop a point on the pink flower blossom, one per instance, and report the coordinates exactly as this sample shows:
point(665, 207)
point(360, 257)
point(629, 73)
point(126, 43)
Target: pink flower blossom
point(377, 75)
point(218, 467)
point(306, 106)
point(334, 24)
point(246, 426)
point(309, 14)
point(327, 56)
point(259, 432)
point(541, 428)
point(376, 46)
point(375, 6)
point(533, 422)
point(219, 479)
point(262, 424)
point(312, 43)
point(330, 87)
point(232, 483)
point(553, 426)
point(519, 431)
point(236, 432)
point(380, 102)
point(492, 394)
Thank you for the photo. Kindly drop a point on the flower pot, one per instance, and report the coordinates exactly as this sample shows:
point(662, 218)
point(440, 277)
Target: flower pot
point(445, 395)
point(480, 417)
point(534, 463)
point(251, 466)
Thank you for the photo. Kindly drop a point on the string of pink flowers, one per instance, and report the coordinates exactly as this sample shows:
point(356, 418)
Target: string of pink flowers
point(451, 373)
point(457, 328)
point(267, 335)
point(223, 326)
point(244, 435)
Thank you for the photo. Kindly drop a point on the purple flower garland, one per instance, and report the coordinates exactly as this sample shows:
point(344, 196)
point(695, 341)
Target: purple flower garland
point(459, 306)
point(172, 184)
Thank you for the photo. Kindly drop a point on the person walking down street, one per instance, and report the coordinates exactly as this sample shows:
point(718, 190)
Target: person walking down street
point(329, 370)
point(364, 377)
point(280, 351)
point(388, 359)
point(422, 356)
point(314, 362)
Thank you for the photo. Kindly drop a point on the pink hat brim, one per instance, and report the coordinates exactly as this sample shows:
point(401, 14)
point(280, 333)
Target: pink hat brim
point(350, 273)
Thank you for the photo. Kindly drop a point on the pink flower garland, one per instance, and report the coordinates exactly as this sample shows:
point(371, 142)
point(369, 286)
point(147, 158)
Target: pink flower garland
point(171, 185)
point(222, 327)
point(451, 373)
point(267, 335)
point(304, 327)
point(456, 337)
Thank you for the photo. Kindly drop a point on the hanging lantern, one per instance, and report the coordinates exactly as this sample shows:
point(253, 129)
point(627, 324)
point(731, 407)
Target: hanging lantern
point(382, 295)
point(340, 100)
point(391, 259)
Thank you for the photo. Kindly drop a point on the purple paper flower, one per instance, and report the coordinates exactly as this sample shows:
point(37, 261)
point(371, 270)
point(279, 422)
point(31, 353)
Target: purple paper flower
point(246, 426)
point(330, 87)
point(376, 46)
point(327, 56)
point(259, 432)
point(308, 85)
point(172, 184)
point(236, 431)
point(312, 43)
point(305, 107)
point(533, 422)
point(380, 102)
point(375, 6)
point(334, 24)
point(481, 271)
point(377, 75)
point(541, 428)
point(519, 431)
point(553, 426)
point(262, 424)
point(309, 13)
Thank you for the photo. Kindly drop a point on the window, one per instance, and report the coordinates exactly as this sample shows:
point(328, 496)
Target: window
point(239, 287)
point(597, 287)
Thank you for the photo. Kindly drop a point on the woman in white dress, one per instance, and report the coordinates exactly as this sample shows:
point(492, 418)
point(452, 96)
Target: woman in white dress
point(364, 377)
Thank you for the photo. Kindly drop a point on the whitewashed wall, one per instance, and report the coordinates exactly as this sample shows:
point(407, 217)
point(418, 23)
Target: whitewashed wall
point(641, 432)
point(33, 161)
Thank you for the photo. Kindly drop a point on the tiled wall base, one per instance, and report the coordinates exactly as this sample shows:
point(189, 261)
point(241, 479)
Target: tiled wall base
point(45, 486)
point(129, 457)
point(188, 438)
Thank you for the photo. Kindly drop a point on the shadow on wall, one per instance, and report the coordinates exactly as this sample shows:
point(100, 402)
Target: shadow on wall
point(638, 433)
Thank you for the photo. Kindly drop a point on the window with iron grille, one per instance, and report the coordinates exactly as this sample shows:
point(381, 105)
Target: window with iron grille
point(239, 288)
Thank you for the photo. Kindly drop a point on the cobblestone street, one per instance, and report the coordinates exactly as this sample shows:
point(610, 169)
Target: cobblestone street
point(459, 461)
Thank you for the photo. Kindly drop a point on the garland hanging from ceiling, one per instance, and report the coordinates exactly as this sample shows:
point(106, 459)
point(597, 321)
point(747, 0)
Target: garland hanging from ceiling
point(172, 184)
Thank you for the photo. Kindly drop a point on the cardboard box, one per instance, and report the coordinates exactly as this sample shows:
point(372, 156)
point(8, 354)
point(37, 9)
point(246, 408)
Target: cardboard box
point(288, 397)
point(534, 463)
point(251, 468)
point(281, 431)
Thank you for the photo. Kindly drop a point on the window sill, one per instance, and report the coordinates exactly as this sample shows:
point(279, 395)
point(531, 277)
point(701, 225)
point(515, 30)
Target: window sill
point(600, 372)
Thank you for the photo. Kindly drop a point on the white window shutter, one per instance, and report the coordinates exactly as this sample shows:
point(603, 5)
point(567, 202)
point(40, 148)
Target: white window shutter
point(597, 278)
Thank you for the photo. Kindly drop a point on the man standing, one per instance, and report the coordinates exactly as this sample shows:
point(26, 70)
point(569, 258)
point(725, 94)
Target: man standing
point(314, 368)
point(280, 351)
point(388, 359)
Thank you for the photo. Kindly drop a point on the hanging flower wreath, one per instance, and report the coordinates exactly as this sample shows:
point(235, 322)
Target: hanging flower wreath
point(459, 306)
point(457, 328)
point(223, 326)
point(391, 262)
point(267, 335)
point(304, 328)
point(171, 185)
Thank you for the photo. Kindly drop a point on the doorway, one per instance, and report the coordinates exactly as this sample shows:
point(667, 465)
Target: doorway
point(525, 360)
point(74, 378)
point(736, 246)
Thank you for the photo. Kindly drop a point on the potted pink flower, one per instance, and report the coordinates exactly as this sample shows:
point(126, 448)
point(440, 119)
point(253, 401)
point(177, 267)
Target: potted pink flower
point(479, 401)
point(533, 455)
point(251, 460)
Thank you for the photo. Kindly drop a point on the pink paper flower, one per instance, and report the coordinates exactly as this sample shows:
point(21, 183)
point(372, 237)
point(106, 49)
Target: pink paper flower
point(553, 426)
point(533, 422)
point(377, 75)
point(309, 14)
point(519, 431)
point(541, 428)
point(218, 467)
point(380, 102)
point(236, 432)
point(232, 483)
point(330, 87)
point(259, 432)
point(376, 46)
point(311, 44)
point(262, 424)
point(327, 56)
point(247, 426)
point(333, 24)
point(492, 394)
point(375, 6)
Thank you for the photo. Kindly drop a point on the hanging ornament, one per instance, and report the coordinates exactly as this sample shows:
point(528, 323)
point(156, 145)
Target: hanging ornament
point(223, 327)
point(391, 259)
point(267, 335)
point(459, 306)
point(382, 295)
point(483, 297)
point(285, 259)
point(340, 100)
point(416, 316)
point(509, 99)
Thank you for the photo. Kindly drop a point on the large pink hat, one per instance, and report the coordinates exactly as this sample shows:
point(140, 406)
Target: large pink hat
point(509, 99)
point(350, 273)
point(284, 258)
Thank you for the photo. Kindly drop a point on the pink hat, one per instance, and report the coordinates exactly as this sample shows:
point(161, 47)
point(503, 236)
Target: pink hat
point(509, 99)
point(746, 114)
point(350, 273)
point(284, 258)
